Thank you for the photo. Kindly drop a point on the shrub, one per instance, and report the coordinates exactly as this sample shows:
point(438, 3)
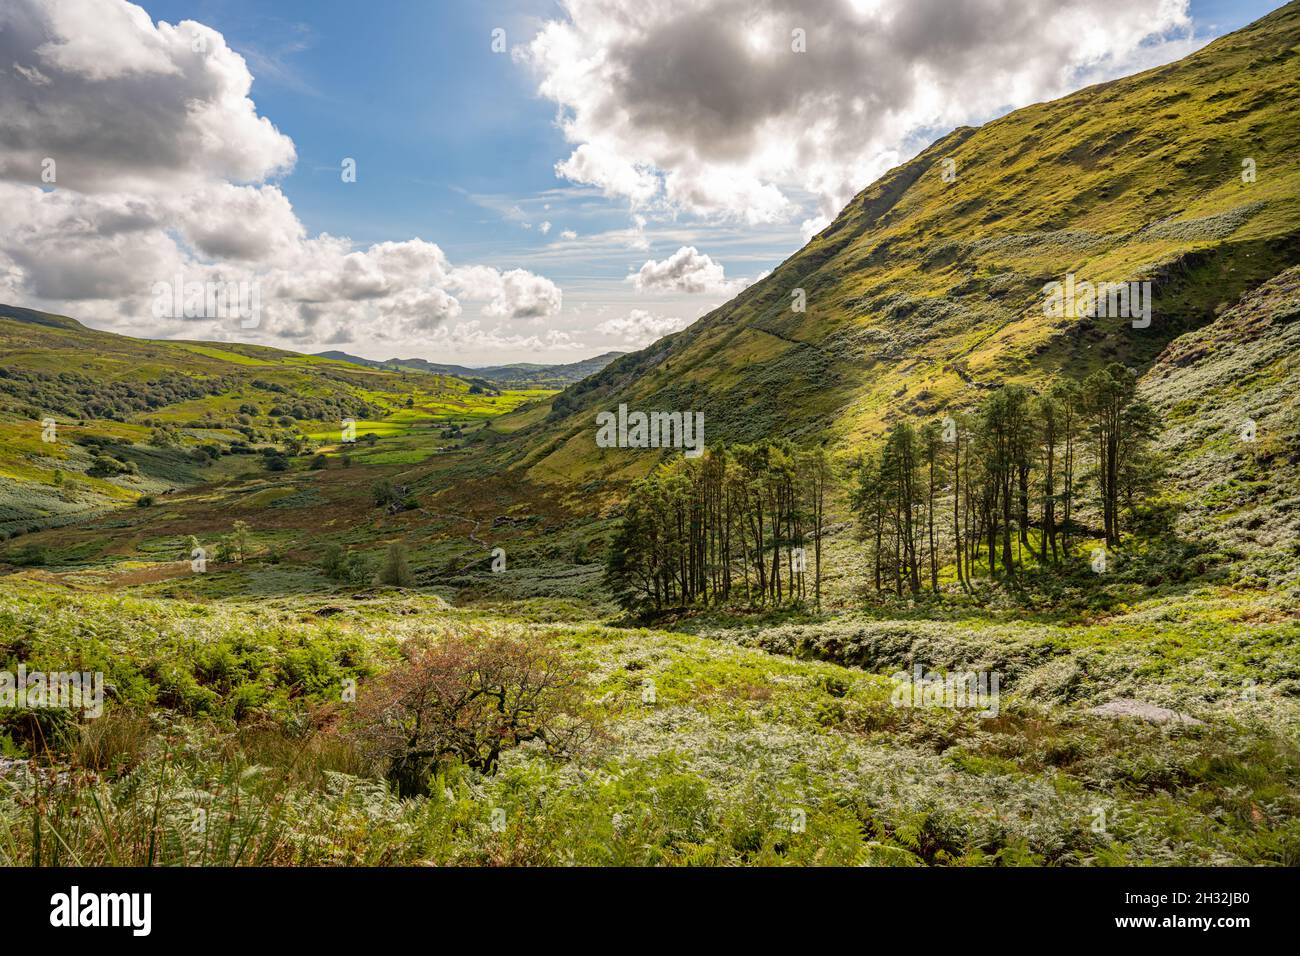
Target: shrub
point(164, 437)
point(467, 700)
point(347, 567)
point(113, 743)
point(29, 556)
point(234, 546)
point(105, 466)
point(383, 493)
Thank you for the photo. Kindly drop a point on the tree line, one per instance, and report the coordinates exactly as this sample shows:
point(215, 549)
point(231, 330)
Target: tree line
point(980, 491)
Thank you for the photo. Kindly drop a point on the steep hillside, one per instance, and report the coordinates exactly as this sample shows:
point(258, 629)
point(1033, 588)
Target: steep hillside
point(1230, 397)
point(924, 293)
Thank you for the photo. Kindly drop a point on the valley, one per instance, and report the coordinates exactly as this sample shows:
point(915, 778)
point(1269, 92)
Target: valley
point(406, 612)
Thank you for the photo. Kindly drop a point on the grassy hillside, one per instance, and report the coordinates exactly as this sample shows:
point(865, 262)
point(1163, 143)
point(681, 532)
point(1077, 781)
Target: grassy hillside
point(175, 414)
point(1148, 712)
point(1229, 394)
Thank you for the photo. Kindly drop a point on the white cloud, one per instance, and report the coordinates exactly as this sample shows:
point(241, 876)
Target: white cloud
point(127, 105)
point(594, 166)
point(703, 106)
point(516, 294)
point(164, 168)
point(639, 328)
point(686, 270)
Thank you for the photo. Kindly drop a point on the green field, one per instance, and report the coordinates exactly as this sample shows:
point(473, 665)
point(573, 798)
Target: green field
point(733, 747)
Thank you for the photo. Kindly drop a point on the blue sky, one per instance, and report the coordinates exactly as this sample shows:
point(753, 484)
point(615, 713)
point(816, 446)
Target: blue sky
point(412, 91)
point(458, 145)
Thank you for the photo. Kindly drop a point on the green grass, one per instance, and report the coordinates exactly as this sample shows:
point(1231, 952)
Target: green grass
point(735, 746)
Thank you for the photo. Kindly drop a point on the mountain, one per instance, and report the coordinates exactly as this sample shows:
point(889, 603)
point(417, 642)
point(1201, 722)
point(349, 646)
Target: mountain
point(198, 531)
point(518, 375)
point(924, 293)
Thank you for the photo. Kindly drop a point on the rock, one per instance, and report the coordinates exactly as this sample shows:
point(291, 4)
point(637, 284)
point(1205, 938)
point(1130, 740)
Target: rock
point(1143, 711)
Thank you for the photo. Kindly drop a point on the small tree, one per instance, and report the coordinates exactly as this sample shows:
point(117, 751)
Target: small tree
point(347, 567)
point(383, 493)
point(238, 541)
point(468, 699)
point(397, 567)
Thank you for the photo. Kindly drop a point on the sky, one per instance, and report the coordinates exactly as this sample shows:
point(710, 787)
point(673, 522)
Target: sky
point(485, 182)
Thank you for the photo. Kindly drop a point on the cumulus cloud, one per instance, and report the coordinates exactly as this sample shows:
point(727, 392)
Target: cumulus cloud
point(687, 270)
point(592, 165)
point(161, 170)
point(639, 327)
point(120, 103)
point(707, 106)
point(516, 294)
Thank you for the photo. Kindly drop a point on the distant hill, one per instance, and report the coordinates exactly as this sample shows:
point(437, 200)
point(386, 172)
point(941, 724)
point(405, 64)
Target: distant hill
point(133, 418)
point(32, 317)
point(517, 375)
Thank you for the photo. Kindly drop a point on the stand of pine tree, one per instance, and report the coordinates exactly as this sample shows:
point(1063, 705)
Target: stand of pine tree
point(983, 489)
point(969, 490)
point(742, 522)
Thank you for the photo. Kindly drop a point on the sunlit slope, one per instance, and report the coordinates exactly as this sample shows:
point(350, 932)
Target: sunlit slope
point(923, 292)
point(154, 406)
